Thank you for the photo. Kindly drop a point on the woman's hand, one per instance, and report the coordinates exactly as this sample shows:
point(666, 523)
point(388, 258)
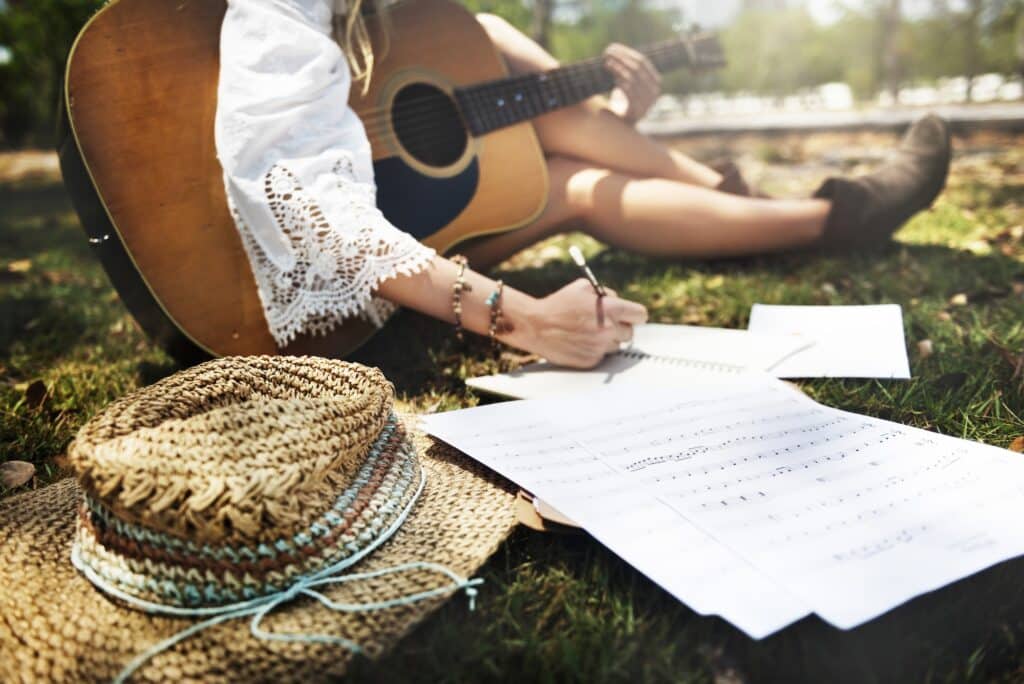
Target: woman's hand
point(576, 328)
point(572, 327)
point(637, 82)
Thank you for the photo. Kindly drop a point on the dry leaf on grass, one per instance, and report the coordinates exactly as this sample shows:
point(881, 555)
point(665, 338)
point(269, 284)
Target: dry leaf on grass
point(517, 358)
point(35, 394)
point(16, 473)
point(20, 266)
point(714, 282)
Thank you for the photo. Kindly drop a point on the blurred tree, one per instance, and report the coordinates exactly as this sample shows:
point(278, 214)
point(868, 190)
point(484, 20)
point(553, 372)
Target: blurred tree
point(972, 38)
point(1019, 41)
point(778, 52)
point(774, 46)
point(541, 26)
point(38, 34)
point(892, 49)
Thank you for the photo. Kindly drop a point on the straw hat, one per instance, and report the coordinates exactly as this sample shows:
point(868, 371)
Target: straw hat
point(252, 519)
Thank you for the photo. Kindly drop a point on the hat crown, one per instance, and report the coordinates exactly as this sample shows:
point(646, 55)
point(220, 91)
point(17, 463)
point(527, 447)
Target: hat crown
point(237, 450)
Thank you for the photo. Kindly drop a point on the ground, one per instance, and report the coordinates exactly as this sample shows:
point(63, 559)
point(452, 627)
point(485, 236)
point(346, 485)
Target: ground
point(561, 607)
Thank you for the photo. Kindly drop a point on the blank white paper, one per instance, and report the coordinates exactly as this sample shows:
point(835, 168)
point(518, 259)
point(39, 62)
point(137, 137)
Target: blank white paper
point(849, 341)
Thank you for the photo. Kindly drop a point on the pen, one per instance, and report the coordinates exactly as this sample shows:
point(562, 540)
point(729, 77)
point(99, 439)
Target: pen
point(577, 256)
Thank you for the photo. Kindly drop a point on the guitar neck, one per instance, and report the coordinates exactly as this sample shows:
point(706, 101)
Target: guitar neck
point(496, 104)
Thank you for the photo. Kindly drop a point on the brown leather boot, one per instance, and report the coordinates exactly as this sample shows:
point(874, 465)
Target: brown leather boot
point(866, 211)
point(733, 181)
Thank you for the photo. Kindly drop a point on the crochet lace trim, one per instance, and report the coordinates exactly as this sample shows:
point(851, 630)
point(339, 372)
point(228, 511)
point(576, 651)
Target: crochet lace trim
point(336, 268)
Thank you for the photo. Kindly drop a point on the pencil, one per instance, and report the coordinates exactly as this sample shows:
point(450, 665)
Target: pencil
point(577, 256)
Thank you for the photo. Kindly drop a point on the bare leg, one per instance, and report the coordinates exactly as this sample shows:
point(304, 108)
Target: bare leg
point(573, 131)
point(658, 217)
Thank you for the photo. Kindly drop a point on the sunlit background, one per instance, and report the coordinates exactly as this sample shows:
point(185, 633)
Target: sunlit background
point(784, 55)
point(561, 607)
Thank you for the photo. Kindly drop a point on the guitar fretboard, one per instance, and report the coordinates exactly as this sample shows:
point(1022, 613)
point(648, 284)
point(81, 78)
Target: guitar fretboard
point(496, 104)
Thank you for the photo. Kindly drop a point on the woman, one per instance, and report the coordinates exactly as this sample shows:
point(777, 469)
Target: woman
point(300, 184)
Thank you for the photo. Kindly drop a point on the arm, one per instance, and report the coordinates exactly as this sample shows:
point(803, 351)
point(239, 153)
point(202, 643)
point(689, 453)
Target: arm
point(299, 179)
point(563, 327)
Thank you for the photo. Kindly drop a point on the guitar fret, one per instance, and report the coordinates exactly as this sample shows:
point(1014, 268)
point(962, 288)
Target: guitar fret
point(568, 86)
point(501, 106)
point(564, 81)
point(493, 114)
point(537, 94)
point(549, 99)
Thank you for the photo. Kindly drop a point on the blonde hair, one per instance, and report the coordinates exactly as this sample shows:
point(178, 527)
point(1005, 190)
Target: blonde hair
point(351, 33)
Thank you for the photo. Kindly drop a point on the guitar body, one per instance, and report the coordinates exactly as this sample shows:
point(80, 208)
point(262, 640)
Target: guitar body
point(465, 186)
point(138, 157)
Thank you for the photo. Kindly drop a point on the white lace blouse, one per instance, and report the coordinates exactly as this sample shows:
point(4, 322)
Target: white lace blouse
point(297, 170)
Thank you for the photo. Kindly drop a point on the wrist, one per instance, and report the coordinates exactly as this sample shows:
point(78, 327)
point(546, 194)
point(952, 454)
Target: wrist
point(617, 104)
point(525, 315)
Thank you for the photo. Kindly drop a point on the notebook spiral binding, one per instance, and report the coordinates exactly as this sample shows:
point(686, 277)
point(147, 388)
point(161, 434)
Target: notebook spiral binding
point(711, 366)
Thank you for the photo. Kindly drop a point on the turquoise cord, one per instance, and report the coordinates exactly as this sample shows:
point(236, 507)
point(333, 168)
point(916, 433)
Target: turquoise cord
point(261, 607)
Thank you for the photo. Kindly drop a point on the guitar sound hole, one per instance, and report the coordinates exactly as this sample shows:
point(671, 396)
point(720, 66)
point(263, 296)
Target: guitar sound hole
point(428, 125)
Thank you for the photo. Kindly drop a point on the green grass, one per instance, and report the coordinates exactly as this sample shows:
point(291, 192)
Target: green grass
point(559, 607)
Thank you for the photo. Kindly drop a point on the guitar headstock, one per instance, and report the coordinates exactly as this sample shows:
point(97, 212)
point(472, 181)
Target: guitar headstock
point(706, 51)
point(695, 49)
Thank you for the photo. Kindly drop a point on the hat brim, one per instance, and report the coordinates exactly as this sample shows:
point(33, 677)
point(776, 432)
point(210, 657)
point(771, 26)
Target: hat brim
point(56, 626)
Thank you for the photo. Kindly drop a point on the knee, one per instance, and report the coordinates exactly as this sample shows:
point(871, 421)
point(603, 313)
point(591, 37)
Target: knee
point(495, 26)
point(521, 53)
point(575, 184)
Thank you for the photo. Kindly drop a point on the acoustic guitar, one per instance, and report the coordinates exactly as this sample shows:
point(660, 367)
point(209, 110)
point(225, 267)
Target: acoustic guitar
point(454, 155)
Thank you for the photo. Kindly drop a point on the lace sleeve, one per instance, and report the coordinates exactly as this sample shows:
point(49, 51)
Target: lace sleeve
point(333, 271)
point(297, 170)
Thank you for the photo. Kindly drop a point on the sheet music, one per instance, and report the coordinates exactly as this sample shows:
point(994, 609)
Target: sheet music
point(842, 514)
point(853, 514)
point(519, 441)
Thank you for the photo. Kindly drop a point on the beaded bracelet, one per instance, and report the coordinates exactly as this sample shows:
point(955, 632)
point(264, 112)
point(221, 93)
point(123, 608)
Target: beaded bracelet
point(458, 287)
point(497, 314)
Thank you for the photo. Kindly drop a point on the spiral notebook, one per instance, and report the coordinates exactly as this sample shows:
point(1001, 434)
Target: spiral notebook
point(660, 356)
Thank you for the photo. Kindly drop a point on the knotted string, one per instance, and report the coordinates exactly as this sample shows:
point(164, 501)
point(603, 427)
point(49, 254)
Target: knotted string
point(306, 588)
point(259, 608)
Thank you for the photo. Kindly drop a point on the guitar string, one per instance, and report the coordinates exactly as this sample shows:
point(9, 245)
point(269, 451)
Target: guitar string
point(565, 76)
point(419, 105)
point(521, 110)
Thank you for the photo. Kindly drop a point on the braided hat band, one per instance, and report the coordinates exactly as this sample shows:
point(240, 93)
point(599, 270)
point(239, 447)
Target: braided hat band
point(157, 568)
point(236, 450)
